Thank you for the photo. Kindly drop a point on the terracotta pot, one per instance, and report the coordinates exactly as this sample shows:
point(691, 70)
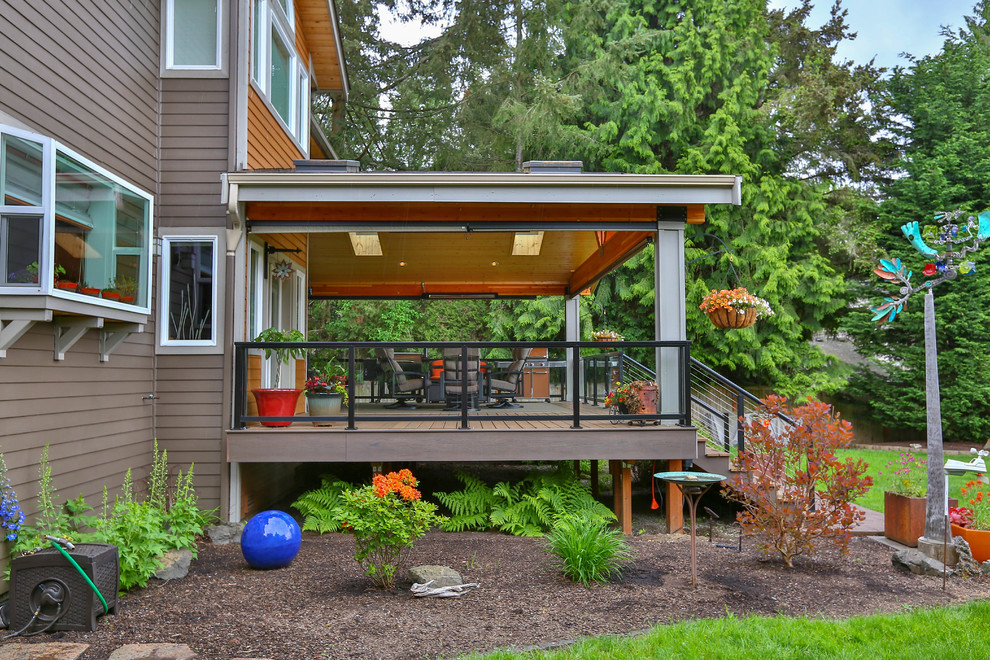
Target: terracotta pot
point(324, 404)
point(67, 286)
point(127, 299)
point(89, 291)
point(110, 295)
point(732, 318)
point(276, 403)
point(978, 539)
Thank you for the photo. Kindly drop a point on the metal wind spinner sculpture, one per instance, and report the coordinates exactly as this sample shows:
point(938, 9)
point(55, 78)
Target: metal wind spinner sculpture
point(943, 266)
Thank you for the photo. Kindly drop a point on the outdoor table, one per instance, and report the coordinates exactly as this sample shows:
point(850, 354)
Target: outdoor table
point(692, 485)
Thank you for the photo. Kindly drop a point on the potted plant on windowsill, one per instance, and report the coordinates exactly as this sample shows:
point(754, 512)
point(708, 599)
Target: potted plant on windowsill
point(88, 290)
point(63, 284)
point(128, 287)
point(734, 308)
point(277, 401)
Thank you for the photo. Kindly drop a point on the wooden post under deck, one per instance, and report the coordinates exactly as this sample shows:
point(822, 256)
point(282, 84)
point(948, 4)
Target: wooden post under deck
point(674, 500)
point(622, 494)
point(594, 477)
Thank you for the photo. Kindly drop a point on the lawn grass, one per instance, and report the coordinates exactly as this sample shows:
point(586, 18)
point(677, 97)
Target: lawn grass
point(878, 459)
point(945, 633)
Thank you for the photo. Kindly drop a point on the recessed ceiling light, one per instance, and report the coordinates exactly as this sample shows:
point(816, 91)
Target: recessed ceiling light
point(494, 263)
point(365, 243)
point(527, 243)
point(402, 263)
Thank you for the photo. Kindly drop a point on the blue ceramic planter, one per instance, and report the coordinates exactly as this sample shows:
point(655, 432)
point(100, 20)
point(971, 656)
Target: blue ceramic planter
point(271, 539)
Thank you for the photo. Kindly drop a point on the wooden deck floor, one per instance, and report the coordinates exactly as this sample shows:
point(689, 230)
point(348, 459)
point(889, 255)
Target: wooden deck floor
point(429, 433)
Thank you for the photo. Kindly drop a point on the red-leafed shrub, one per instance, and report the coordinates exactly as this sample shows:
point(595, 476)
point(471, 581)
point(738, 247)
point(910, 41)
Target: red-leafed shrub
point(798, 495)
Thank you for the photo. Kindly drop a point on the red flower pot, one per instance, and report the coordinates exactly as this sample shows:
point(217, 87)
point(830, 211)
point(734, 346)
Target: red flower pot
point(276, 403)
point(67, 286)
point(978, 539)
point(111, 295)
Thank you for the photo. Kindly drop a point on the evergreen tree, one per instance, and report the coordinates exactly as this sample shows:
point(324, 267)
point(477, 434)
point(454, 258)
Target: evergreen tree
point(944, 101)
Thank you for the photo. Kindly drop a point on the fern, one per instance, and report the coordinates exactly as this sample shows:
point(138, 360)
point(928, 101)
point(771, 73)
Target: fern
point(319, 507)
point(527, 508)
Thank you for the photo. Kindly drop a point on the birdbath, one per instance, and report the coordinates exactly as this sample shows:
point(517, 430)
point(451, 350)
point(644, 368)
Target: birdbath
point(692, 485)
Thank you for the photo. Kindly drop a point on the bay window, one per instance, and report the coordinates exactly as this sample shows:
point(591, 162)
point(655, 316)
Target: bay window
point(67, 224)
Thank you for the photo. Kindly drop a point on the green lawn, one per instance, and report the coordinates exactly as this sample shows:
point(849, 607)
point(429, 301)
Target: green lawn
point(878, 460)
point(944, 633)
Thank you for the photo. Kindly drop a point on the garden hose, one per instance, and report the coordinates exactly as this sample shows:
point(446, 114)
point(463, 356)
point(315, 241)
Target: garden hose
point(57, 544)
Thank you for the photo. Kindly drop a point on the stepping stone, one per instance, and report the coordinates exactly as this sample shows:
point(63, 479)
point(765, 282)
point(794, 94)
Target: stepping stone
point(153, 652)
point(49, 651)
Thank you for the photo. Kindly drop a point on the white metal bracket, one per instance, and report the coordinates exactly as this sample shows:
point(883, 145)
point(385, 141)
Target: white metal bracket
point(69, 330)
point(113, 335)
point(11, 331)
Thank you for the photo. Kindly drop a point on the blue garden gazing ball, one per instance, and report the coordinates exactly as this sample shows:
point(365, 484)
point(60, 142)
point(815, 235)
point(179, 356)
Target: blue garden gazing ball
point(271, 539)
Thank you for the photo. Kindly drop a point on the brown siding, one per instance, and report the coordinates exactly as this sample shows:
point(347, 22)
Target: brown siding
point(86, 74)
point(92, 414)
point(268, 145)
point(195, 151)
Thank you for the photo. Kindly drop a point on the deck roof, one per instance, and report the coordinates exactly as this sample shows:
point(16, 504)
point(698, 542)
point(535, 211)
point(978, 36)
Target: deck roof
point(451, 234)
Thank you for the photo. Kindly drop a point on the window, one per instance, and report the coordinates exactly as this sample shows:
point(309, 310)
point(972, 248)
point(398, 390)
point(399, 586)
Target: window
point(90, 230)
point(189, 294)
point(194, 39)
point(276, 69)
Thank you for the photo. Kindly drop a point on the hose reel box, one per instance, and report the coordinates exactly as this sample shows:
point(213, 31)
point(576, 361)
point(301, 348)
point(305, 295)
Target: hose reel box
point(46, 582)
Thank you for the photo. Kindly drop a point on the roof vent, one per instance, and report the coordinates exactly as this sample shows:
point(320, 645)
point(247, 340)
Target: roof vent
point(326, 165)
point(553, 167)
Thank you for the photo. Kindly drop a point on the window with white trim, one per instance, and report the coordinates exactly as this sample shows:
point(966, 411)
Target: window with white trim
point(193, 39)
point(87, 237)
point(277, 70)
point(189, 290)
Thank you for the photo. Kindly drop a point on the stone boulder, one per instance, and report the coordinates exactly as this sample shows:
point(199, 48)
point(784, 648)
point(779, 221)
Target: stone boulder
point(225, 533)
point(175, 564)
point(442, 576)
point(917, 562)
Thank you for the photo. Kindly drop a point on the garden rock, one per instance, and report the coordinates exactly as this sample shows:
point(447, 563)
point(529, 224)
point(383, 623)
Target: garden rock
point(153, 652)
point(175, 564)
point(442, 576)
point(917, 562)
point(225, 533)
point(967, 565)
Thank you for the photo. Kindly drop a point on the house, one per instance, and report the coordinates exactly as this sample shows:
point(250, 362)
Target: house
point(164, 151)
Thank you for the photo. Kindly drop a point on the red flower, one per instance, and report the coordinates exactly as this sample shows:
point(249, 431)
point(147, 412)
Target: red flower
point(929, 270)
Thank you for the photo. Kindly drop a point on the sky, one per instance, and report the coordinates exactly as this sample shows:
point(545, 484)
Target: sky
point(886, 28)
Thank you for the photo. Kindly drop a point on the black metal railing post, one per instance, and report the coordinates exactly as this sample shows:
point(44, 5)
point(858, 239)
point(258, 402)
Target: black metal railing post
point(351, 378)
point(240, 385)
point(740, 415)
point(576, 384)
point(685, 360)
point(464, 385)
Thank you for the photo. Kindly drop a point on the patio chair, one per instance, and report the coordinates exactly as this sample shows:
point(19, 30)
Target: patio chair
point(404, 385)
point(453, 372)
point(505, 386)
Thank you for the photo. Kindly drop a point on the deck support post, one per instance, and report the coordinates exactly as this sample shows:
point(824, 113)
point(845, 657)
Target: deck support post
point(674, 500)
point(622, 493)
point(594, 477)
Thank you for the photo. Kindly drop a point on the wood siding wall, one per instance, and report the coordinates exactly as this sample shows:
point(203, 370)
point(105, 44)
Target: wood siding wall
point(268, 145)
point(195, 151)
point(86, 74)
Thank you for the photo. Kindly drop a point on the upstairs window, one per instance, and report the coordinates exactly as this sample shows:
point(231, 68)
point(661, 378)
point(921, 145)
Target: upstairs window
point(194, 37)
point(277, 71)
point(89, 232)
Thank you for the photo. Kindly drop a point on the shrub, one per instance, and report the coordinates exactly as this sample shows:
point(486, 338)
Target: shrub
point(386, 518)
point(588, 550)
point(528, 508)
point(799, 494)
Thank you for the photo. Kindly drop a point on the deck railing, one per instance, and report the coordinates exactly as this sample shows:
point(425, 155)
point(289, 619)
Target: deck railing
point(359, 356)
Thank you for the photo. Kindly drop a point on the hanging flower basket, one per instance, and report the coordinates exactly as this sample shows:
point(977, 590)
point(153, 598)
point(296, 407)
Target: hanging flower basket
point(733, 318)
point(734, 308)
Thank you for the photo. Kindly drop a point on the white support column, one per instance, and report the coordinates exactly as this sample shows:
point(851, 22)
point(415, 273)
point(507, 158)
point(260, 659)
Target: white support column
point(670, 312)
point(572, 332)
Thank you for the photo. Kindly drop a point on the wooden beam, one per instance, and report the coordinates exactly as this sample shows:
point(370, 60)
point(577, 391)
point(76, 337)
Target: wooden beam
point(69, 330)
point(674, 500)
point(617, 248)
point(625, 518)
point(419, 290)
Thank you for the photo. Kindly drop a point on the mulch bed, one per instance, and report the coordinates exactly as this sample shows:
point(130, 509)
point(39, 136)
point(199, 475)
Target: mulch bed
point(322, 606)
